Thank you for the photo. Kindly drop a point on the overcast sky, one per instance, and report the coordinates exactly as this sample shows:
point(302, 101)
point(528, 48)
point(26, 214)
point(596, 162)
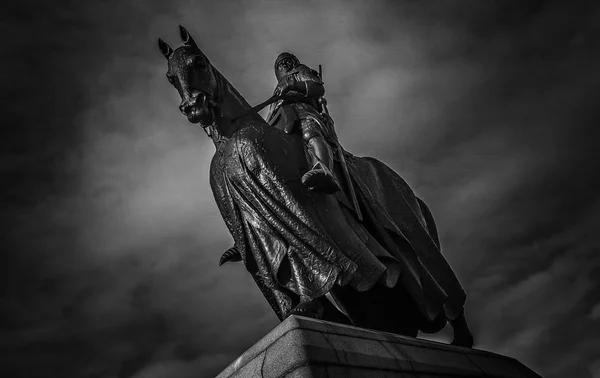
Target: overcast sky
point(111, 237)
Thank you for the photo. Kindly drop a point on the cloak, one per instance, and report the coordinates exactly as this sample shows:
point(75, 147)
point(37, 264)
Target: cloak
point(297, 244)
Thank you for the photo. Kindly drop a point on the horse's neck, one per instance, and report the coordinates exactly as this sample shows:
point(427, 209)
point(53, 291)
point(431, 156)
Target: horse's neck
point(236, 111)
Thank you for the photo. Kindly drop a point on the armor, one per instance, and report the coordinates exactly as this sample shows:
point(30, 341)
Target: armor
point(300, 89)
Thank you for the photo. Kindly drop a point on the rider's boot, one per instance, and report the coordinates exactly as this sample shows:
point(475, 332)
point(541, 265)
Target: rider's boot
point(320, 178)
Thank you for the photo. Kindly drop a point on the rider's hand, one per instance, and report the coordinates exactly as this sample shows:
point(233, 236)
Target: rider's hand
point(289, 81)
point(286, 84)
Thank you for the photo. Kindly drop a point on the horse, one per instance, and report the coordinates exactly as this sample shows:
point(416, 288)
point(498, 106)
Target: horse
point(308, 253)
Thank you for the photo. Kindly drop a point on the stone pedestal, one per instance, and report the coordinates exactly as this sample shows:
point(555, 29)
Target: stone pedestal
point(301, 347)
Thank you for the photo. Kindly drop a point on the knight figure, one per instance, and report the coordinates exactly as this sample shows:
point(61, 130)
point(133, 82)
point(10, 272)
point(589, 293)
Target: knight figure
point(300, 89)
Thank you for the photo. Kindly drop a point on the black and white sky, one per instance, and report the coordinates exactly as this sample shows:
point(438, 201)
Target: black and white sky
point(110, 235)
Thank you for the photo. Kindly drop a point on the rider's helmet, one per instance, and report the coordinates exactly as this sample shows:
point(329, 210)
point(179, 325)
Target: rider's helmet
point(284, 63)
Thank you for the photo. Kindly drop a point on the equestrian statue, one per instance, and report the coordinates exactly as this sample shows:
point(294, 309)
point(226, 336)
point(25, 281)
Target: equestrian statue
point(323, 233)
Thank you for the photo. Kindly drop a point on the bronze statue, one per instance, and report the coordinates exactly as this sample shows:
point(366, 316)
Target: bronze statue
point(375, 263)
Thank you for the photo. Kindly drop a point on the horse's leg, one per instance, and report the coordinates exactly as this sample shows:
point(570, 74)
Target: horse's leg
point(332, 314)
point(323, 309)
point(380, 308)
point(462, 333)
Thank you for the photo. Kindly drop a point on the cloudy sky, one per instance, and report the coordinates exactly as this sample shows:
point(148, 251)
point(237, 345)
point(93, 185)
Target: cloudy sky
point(111, 237)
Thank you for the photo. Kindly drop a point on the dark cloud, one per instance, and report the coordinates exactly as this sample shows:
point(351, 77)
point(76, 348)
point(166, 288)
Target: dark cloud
point(112, 237)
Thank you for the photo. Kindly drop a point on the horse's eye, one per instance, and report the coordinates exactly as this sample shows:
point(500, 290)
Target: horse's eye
point(171, 79)
point(199, 63)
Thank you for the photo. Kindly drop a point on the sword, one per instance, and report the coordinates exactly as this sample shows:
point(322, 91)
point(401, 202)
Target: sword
point(340, 153)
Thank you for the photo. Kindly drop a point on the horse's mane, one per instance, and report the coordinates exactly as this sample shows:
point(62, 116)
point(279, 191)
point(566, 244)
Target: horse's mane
point(224, 85)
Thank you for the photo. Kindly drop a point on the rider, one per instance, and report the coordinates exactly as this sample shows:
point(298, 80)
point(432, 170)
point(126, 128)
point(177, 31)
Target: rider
point(301, 89)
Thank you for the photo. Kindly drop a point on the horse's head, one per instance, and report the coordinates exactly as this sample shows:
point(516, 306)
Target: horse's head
point(191, 73)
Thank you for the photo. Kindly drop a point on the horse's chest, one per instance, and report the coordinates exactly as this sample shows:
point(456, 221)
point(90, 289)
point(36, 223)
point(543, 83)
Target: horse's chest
point(259, 157)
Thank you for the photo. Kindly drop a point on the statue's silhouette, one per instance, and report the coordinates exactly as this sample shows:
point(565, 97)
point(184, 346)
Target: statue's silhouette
point(367, 255)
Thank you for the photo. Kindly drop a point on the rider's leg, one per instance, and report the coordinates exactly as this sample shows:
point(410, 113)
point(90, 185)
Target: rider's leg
point(320, 177)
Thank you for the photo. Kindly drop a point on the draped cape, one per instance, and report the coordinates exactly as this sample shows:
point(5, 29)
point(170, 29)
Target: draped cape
point(297, 244)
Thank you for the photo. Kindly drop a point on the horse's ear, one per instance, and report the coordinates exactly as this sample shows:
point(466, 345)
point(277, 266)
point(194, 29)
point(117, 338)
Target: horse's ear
point(186, 37)
point(164, 48)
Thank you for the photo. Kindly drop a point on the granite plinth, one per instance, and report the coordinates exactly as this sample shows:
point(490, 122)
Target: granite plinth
point(302, 347)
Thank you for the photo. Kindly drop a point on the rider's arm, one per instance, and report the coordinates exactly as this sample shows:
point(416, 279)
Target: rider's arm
point(304, 81)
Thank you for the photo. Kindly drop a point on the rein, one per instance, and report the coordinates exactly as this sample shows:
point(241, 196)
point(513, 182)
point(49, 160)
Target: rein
point(258, 107)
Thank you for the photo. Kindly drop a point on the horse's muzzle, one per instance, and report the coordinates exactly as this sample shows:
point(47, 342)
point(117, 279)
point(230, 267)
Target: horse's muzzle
point(198, 110)
point(187, 106)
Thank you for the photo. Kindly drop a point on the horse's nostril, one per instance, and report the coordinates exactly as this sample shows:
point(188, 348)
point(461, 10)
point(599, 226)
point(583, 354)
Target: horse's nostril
point(185, 108)
point(199, 98)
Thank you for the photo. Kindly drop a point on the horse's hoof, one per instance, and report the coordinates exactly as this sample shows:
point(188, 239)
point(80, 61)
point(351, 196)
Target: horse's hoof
point(312, 309)
point(305, 313)
point(464, 340)
point(462, 334)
